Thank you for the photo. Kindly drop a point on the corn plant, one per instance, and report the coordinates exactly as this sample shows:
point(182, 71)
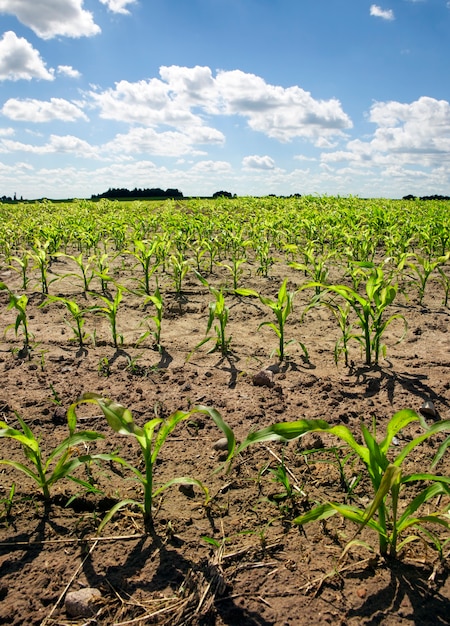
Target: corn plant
point(42, 258)
point(20, 304)
point(157, 301)
point(264, 256)
point(151, 438)
point(23, 263)
point(77, 314)
point(218, 312)
point(143, 253)
point(7, 502)
point(281, 307)
point(102, 271)
point(235, 269)
point(342, 315)
point(387, 515)
point(380, 293)
point(60, 463)
point(110, 311)
point(444, 279)
point(85, 266)
point(423, 267)
point(180, 267)
point(314, 266)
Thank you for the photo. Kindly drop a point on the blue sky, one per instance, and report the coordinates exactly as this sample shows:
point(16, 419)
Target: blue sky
point(335, 97)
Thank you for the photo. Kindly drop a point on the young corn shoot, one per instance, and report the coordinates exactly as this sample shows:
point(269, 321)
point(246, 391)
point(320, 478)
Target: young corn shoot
point(61, 462)
point(77, 314)
point(218, 312)
point(151, 438)
point(384, 515)
point(369, 310)
point(20, 304)
point(281, 307)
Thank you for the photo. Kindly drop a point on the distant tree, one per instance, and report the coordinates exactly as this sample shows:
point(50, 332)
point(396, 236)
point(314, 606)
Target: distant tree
point(433, 197)
point(222, 194)
point(155, 192)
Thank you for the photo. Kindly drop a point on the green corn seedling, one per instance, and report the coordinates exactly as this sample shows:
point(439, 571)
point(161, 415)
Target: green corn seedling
point(110, 311)
point(42, 258)
point(423, 268)
point(23, 263)
point(77, 314)
point(60, 463)
point(384, 515)
point(281, 307)
point(380, 293)
point(157, 301)
point(314, 266)
point(235, 269)
point(87, 274)
point(144, 253)
point(20, 304)
point(218, 312)
point(151, 438)
point(180, 267)
point(102, 271)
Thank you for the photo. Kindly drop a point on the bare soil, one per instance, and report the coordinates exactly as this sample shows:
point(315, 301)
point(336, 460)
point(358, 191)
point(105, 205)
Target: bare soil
point(260, 568)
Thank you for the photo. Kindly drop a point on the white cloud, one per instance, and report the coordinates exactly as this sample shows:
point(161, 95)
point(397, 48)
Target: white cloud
point(6, 132)
point(278, 112)
point(19, 60)
point(385, 14)
point(68, 70)
point(185, 96)
point(50, 18)
point(67, 144)
point(118, 6)
point(31, 110)
point(170, 143)
point(256, 162)
point(410, 134)
point(211, 167)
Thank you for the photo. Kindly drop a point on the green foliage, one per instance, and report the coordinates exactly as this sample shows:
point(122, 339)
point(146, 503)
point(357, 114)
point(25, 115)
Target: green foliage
point(218, 312)
point(422, 267)
point(384, 515)
point(20, 304)
point(110, 311)
point(151, 438)
point(369, 310)
point(61, 462)
point(155, 332)
point(77, 314)
point(281, 307)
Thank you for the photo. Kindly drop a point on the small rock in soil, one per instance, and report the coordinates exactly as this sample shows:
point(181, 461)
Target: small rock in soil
point(264, 378)
point(59, 416)
point(221, 444)
point(428, 409)
point(81, 603)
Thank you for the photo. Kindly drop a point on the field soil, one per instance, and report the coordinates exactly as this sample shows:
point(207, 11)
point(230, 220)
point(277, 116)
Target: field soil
point(240, 559)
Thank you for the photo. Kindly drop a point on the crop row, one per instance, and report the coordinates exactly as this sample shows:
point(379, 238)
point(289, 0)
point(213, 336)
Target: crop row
point(351, 256)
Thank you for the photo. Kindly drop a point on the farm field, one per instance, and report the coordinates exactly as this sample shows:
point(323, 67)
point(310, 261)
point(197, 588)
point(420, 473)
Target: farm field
point(328, 314)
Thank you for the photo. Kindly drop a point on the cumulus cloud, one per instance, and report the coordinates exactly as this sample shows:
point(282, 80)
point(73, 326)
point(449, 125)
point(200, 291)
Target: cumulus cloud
point(6, 132)
point(61, 144)
point(68, 70)
point(118, 6)
point(20, 61)
point(50, 18)
point(184, 96)
point(417, 133)
point(385, 14)
point(169, 143)
point(256, 162)
point(31, 110)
